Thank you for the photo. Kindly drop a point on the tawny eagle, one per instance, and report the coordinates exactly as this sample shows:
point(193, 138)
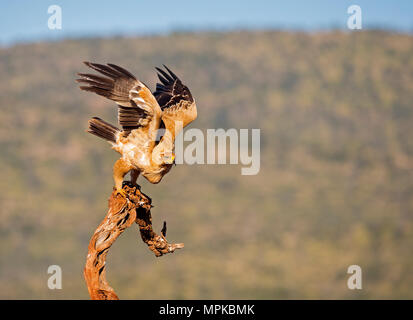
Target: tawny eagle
point(143, 116)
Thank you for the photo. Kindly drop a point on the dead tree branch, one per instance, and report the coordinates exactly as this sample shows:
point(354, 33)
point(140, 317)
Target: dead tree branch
point(121, 214)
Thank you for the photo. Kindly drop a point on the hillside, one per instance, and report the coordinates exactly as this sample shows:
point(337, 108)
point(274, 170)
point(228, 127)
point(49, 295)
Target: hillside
point(335, 186)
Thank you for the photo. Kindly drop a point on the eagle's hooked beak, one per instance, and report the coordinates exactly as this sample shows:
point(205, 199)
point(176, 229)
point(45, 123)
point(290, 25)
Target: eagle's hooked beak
point(170, 159)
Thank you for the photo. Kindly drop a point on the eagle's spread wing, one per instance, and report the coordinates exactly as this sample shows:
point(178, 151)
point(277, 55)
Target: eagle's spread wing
point(175, 100)
point(137, 107)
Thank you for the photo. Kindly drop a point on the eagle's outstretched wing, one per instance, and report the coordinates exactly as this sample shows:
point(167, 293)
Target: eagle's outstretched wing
point(176, 101)
point(137, 107)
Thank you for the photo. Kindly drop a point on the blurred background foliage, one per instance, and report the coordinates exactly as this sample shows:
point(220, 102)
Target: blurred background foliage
point(335, 186)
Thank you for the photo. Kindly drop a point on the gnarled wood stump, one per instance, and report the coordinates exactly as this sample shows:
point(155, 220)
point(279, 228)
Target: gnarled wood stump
point(121, 214)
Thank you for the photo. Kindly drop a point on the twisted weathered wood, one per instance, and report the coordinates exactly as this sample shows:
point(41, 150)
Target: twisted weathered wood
point(121, 214)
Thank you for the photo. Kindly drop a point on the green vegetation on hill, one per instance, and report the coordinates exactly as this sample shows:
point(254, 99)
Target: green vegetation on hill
point(335, 187)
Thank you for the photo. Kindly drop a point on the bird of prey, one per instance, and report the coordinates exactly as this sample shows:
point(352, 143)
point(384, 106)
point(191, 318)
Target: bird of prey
point(149, 121)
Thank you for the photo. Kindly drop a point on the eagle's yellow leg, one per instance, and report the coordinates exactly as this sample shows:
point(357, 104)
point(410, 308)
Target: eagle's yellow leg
point(120, 169)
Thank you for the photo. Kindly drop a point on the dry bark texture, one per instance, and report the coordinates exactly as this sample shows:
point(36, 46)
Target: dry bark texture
point(121, 214)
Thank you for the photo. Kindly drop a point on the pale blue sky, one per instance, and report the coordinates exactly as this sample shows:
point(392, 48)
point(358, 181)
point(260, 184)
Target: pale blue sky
point(25, 20)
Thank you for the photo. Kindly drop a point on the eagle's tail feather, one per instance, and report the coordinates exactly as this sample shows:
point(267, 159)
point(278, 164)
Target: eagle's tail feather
point(103, 129)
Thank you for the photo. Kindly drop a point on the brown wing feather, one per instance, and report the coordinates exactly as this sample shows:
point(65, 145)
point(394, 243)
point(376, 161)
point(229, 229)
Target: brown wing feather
point(137, 106)
point(175, 100)
point(171, 90)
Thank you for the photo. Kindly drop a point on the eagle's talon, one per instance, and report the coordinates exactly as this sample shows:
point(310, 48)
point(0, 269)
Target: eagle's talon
point(121, 192)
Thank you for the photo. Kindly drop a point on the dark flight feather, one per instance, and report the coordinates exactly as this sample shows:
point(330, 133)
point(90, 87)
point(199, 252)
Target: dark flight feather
point(170, 91)
point(116, 85)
